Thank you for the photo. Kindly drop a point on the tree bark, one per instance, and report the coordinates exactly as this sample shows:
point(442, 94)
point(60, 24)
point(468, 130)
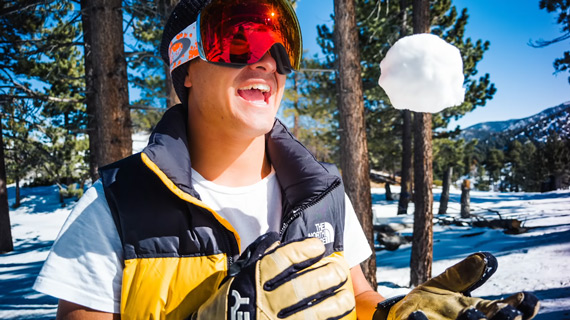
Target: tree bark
point(17, 201)
point(389, 196)
point(444, 200)
point(353, 146)
point(422, 244)
point(107, 85)
point(465, 199)
point(6, 244)
point(406, 181)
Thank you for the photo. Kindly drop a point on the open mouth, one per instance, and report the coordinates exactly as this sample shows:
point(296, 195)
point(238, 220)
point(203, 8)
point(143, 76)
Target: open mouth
point(255, 93)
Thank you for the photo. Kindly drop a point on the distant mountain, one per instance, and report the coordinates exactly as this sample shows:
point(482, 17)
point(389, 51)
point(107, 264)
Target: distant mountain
point(537, 127)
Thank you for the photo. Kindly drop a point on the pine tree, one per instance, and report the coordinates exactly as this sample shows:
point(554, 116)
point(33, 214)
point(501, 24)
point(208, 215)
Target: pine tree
point(422, 243)
point(20, 153)
point(528, 172)
point(107, 97)
point(353, 145)
point(38, 71)
point(514, 161)
point(493, 163)
point(448, 158)
point(306, 102)
point(381, 24)
point(6, 243)
point(556, 155)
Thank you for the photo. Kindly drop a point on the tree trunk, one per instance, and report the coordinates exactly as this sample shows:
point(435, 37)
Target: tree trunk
point(353, 147)
point(406, 181)
point(444, 200)
point(106, 80)
point(422, 244)
point(18, 200)
point(465, 199)
point(389, 196)
point(6, 244)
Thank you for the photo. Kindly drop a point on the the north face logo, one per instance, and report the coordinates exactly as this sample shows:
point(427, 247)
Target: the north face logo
point(325, 232)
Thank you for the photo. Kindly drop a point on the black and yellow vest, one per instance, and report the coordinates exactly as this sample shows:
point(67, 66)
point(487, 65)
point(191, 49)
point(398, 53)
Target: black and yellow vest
point(176, 249)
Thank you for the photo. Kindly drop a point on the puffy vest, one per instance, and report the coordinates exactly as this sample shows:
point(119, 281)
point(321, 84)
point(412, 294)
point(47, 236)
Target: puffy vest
point(176, 249)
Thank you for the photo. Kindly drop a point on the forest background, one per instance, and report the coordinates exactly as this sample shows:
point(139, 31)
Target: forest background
point(66, 69)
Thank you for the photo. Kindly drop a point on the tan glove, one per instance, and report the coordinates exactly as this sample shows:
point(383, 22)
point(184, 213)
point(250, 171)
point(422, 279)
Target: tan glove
point(447, 297)
point(283, 281)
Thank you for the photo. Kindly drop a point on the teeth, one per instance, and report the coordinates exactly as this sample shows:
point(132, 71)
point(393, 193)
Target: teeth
point(257, 86)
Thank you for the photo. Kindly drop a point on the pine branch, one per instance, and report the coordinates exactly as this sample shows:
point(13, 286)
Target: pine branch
point(32, 94)
point(138, 106)
point(23, 5)
point(543, 43)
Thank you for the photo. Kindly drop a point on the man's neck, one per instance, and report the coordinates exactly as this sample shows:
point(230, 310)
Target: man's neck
point(229, 161)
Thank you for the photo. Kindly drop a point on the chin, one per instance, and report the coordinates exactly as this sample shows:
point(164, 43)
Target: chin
point(259, 128)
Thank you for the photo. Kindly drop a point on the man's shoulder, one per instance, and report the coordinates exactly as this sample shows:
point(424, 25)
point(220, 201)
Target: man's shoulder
point(331, 168)
point(108, 173)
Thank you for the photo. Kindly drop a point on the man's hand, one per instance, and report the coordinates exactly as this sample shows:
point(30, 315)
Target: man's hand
point(283, 281)
point(447, 297)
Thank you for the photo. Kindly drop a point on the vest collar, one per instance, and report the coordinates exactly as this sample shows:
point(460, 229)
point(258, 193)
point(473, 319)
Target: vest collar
point(301, 177)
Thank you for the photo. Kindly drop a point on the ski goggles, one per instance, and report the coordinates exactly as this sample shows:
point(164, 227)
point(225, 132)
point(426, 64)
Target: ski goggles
point(240, 32)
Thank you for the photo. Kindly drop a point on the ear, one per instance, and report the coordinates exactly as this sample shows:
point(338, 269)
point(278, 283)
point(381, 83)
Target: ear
point(187, 80)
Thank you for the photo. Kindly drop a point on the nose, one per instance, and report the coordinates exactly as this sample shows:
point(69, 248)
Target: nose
point(266, 64)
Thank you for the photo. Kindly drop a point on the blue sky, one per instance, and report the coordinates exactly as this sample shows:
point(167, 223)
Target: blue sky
point(523, 75)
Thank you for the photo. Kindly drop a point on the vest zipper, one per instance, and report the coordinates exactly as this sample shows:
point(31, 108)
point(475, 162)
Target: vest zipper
point(229, 249)
point(296, 212)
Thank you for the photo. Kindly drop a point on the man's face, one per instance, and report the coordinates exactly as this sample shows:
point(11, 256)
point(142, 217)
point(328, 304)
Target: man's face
point(237, 102)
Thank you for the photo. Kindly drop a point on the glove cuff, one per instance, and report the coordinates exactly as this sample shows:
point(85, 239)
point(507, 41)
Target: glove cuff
point(383, 308)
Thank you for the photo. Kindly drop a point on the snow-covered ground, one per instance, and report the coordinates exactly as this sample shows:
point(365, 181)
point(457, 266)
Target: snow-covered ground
point(535, 261)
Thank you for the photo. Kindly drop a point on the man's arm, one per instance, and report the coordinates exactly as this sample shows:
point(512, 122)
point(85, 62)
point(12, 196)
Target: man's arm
point(366, 297)
point(70, 311)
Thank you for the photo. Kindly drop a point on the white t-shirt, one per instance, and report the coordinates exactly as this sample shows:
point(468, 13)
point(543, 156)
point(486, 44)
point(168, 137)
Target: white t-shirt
point(85, 264)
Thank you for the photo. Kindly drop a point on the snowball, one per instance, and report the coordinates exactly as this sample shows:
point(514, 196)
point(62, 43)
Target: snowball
point(423, 73)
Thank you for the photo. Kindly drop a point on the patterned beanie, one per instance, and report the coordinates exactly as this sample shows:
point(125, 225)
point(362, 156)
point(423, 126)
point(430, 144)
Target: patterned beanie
point(184, 14)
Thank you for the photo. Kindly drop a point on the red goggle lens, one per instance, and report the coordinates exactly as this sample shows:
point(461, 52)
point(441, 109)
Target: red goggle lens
point(242, 31)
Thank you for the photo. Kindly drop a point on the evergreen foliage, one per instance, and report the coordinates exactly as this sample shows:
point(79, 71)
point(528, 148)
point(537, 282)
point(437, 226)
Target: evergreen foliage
point(146, 19)
point(313, 110)
point(562, 9)
point(42, 91)
point(381, 24)
point(525, 165)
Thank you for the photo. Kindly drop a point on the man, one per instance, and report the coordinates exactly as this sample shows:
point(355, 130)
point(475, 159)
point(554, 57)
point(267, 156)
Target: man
point(246, 171)
point(225, 215)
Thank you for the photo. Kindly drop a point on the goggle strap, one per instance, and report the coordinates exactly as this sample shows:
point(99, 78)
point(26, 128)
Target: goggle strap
point(183, 47)
point(279, 53)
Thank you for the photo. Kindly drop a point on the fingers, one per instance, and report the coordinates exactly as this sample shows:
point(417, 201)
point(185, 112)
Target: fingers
point(519, 306)
point(417, 315)
point(277, 266)
point(525, 302)
point(321, 291)
point(472, 314)
point(466, 275)
point(333, 303)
